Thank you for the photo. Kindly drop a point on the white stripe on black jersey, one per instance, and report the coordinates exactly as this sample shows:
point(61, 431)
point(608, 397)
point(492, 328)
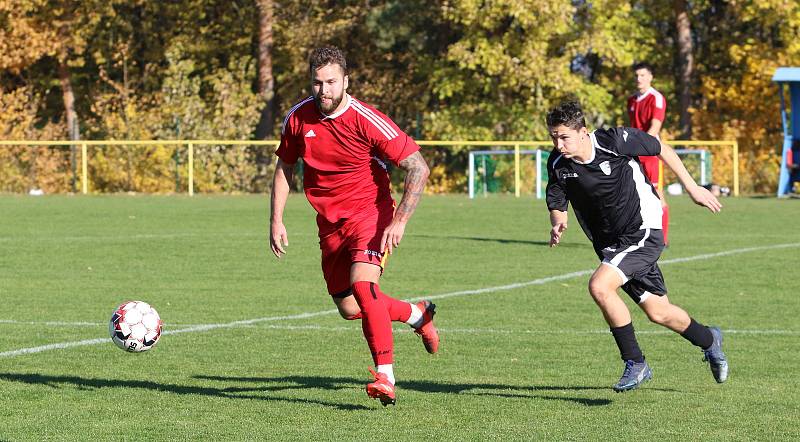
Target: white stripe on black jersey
point(609, 193)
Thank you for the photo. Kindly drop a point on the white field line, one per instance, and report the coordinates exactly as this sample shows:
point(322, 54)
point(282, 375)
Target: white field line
point(589, 272)
point(198, 328)
point(207, 327)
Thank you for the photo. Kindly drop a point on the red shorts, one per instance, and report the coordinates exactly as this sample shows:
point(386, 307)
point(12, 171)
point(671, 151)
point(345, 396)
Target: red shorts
point(356, 240)
point(653, 170)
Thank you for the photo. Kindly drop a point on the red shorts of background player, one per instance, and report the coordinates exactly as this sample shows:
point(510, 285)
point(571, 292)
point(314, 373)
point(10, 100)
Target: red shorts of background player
point(653, 170)
point(356, 240)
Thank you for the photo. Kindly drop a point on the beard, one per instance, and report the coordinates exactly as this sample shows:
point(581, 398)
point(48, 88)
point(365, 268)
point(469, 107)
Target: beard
point(328, 109)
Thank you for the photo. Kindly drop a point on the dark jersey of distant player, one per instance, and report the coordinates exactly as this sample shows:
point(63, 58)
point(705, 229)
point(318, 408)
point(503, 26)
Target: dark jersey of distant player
point(609, 193)
point(344, 158)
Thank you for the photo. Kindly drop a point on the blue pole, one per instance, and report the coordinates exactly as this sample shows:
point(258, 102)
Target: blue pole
point(790, 127)
point(783, 112)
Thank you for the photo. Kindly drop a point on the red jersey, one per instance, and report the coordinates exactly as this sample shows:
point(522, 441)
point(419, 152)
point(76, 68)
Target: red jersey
point(642, 108)
point(344, 157)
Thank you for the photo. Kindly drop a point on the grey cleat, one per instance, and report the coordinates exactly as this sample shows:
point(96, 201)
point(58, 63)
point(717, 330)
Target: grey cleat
point(635, 374)
point(715, 357)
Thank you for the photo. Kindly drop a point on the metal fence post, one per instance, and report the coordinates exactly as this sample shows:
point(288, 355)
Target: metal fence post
point(471, 180)
point(735, 168)
point(191, 169)
point(84, 169)
point(517, 184)
point(485, 175)
point(703, 180)
point(538, 174)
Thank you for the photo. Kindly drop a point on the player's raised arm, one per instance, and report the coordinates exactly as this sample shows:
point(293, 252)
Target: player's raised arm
point(558, 220)
point(700, 195)
point(416, 176)
point(278, 238)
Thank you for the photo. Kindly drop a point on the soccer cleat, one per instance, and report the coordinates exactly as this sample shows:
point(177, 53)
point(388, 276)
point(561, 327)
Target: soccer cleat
point(381, 389)
point(715, 357)
point(635, 374)
point(428, 332)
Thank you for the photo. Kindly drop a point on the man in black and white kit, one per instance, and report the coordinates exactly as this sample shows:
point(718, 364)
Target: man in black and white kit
point(619, 210)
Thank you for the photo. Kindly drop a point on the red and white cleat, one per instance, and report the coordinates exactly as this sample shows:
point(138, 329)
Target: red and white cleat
point(381, 389)
point(428, 332)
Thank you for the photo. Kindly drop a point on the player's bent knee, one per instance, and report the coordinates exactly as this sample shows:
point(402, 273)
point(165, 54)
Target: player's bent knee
point(350, 317)
point(347, 305)
point(599, 292)
point(601, 297)
point(349, 312)
point(658, 317)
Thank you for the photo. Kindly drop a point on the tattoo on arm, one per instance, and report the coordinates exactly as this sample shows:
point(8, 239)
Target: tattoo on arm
point(416, 176)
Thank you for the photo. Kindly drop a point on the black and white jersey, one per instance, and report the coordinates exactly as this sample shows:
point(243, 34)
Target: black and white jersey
point(609, 193)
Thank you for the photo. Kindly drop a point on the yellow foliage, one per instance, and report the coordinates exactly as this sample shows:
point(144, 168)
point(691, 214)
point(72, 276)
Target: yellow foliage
point(24, 39)
point(443, 181)
point(26, 168)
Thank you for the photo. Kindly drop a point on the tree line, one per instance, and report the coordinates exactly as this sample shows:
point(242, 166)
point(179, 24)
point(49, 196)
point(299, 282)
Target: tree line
point(442, 69)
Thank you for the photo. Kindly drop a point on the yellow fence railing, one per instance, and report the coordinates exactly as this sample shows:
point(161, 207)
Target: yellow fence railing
point(191, 144)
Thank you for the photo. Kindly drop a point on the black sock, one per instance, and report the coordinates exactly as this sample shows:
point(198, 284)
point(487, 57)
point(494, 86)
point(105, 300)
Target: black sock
point(626, 341)
point(698, 334)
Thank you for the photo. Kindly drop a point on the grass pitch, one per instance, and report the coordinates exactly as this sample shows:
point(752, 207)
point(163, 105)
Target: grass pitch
point(255, 351)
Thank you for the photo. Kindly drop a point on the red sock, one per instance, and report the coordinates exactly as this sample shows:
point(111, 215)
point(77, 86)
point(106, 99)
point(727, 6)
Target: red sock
point(375, 322)
point(399, 311)
point(665, 223)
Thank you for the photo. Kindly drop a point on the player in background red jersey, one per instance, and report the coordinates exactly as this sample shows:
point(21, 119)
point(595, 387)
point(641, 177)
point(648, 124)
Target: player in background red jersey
point(646, 111)
point(345, 145)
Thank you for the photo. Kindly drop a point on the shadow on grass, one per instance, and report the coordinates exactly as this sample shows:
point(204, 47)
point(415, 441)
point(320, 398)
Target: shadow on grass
point(229, 393)
point(497, 240)
point(477, 389)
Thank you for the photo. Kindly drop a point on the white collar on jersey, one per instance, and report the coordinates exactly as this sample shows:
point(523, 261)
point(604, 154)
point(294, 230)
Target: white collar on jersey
point(640, 96)
point(347, 106)
point(594, 150)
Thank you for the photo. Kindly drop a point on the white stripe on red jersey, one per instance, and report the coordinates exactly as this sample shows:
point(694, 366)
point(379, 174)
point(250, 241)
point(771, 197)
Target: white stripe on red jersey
point(659, 99)
point(291, 111)
point(385, 128)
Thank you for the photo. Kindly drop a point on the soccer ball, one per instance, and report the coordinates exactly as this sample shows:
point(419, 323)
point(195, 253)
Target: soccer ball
point(135, 326)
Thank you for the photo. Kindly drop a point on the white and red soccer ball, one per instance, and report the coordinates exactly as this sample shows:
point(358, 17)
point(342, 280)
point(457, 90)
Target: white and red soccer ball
point(135, 326)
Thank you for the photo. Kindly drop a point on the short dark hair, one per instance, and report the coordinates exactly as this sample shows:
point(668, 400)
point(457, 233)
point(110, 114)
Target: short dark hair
point(568, 113)
point(321, 57)
point(643, 65)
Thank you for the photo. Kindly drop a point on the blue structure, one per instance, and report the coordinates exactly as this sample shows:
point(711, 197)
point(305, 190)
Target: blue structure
point(791, 127)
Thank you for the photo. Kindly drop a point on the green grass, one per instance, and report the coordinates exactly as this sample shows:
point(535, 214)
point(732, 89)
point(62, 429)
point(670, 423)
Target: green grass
point(530, 363)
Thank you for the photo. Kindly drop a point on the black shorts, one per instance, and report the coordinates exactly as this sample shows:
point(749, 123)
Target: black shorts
point(635, 259)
